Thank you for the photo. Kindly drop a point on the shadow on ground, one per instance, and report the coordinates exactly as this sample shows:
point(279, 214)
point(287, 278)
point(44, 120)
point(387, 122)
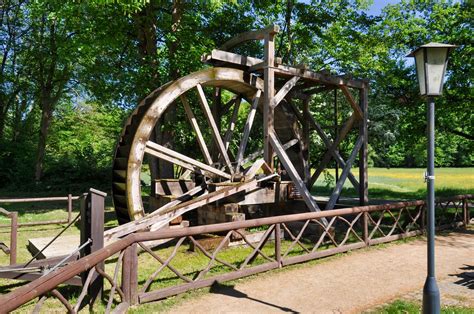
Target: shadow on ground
point(466, 278)
point(229, 290)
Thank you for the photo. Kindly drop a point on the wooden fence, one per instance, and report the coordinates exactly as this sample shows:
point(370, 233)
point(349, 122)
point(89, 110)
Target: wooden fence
point(14, 224)
point(69, 199)
point(305, 238)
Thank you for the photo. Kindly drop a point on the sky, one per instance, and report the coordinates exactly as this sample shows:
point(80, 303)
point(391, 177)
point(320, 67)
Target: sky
point(378, 5)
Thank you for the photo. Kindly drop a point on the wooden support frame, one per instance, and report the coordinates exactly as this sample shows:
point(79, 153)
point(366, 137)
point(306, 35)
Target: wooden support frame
point(352, 102)
point(327, 156)
point(334, 152)
point(284, 91)
point(363, 155)
point(285, 160)
point(269, 92)
point(340, 183)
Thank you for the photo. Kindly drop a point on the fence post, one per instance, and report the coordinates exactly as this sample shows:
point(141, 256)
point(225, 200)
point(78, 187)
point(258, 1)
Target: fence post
point(130, 274)
point(13, 237)
point(365, 220)
point(278, 244)
point(465, 210)
point(69, 208)
point(92, 227)
point(423, 217)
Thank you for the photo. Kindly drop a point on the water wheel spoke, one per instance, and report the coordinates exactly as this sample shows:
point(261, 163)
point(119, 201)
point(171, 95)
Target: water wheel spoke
point(214, 129)
point(193, 121)
point(233, 121)
point(247, 129)
point(181, 160)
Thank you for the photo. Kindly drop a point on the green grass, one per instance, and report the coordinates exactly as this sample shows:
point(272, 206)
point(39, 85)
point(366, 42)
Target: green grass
point(383, 183)
point(404, 183)
point(403, 306)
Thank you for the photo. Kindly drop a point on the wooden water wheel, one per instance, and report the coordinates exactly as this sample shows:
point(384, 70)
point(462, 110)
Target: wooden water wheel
point(237, 135)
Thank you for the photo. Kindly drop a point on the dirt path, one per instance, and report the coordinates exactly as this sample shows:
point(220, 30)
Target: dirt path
point(348, 284)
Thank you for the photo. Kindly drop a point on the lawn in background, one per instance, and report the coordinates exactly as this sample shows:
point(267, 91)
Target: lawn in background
point(402, 183)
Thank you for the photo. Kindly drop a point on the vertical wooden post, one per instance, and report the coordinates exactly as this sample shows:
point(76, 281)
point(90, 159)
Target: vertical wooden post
point(365, 224)
point(92, 227)
point(278, 244)
point(269, 93)
point(423, 217)
point(306, 139)
point(13, 237)
point(130, 274)
point(363, 158)
point(69, 208)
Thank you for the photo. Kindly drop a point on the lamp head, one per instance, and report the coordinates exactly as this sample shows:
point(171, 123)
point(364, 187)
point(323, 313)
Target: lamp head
point(431, 61)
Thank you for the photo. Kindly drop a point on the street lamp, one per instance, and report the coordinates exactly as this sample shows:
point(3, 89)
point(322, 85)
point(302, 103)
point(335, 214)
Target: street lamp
point(431, 61)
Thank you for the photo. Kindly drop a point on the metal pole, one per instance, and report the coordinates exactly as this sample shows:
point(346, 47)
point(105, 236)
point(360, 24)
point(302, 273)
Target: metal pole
point(431, 302)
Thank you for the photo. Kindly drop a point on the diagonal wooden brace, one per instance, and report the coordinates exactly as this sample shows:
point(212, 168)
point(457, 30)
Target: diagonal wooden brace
point(340, 183)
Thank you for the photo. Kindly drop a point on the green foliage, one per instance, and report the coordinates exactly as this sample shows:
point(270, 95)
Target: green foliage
point(96, 60)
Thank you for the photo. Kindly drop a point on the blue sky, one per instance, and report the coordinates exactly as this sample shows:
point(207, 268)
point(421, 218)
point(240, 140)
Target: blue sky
point(378, 5)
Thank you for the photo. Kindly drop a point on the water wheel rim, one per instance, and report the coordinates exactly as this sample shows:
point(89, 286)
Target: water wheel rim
point(233, 80)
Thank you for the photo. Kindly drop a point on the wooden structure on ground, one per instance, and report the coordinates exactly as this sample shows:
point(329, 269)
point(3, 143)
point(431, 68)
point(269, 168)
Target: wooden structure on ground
point(261, 165)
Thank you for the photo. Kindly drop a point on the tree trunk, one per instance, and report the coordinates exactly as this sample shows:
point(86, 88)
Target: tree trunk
point(167, 134)
point(46, 117)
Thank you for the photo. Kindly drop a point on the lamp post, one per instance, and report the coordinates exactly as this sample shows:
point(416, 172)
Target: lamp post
point(431, 61)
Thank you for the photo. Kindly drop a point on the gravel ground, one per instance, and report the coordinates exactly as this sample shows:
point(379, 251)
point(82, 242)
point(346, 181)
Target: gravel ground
point(352, 283)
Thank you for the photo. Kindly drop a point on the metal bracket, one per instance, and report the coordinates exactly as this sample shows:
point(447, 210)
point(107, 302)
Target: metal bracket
point(427, 177)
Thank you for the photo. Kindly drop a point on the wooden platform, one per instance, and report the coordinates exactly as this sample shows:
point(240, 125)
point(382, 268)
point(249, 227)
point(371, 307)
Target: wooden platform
point(63, 245)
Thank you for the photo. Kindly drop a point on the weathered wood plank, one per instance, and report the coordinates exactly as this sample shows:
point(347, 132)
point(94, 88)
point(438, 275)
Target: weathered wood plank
point(269, 92)
point(161, 218)
point(299, 184)
point(184, 161)
point(214, 128)
point(197, 130)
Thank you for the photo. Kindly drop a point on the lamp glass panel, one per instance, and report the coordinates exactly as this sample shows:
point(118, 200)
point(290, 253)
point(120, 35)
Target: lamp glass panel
point(435, 65)
point(420, 70)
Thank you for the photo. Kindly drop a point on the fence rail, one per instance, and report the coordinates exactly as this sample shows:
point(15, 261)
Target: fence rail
point(69, 199)
point(305, 237)
point(12, 249)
